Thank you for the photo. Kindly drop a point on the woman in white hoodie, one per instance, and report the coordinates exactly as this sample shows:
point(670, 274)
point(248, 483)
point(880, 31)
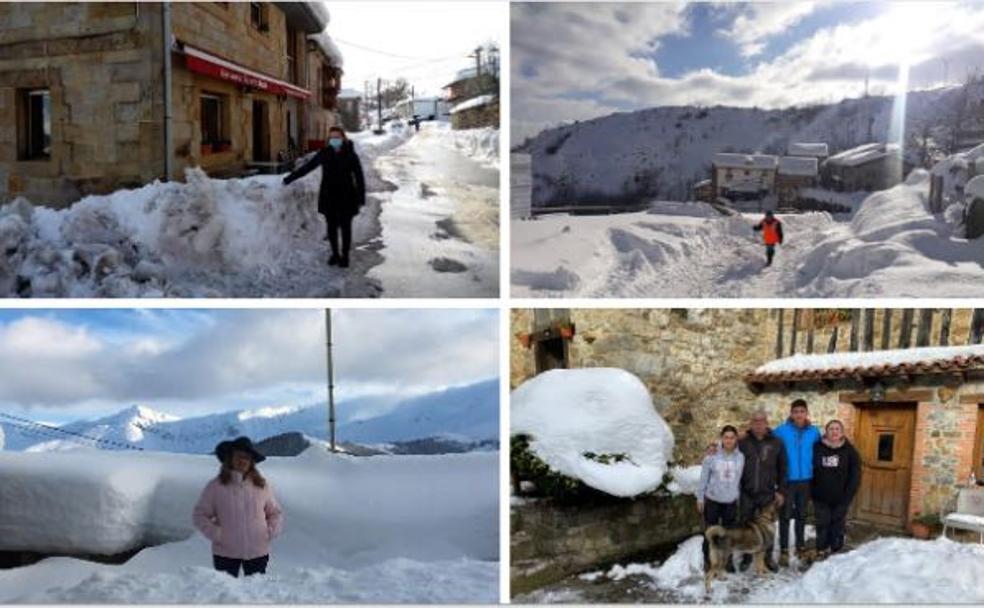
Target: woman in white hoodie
point(720, 479)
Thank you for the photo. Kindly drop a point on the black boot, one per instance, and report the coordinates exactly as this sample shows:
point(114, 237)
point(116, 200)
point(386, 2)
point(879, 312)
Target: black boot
point(334, 260)
point(344, 261)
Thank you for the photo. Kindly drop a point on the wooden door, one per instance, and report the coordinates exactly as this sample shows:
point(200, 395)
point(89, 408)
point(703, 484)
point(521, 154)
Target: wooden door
point(884, 438)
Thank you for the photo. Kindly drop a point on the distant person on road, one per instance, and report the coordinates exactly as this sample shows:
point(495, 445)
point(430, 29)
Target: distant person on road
point(342, 193)
point(771, 230)
point(238, 512)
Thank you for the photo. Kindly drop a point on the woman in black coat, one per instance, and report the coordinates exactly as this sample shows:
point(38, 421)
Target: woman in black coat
point(836, 477)
point(342, 193)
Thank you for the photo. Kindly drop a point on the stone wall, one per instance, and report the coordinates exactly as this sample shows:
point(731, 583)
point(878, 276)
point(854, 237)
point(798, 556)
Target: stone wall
point(97, 60)
point(691, 360)
point(549, 542)
point(478, 117)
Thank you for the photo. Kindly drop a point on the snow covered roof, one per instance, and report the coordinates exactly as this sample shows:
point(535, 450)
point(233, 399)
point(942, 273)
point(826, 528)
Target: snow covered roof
point(865, 153)
point(807, 149)
point(702, 183)
point(798, 165)
point(329, 47)
point(900, 362)
point(745, 161)
point(349, 94)
point(575, 416)
point(474, 102)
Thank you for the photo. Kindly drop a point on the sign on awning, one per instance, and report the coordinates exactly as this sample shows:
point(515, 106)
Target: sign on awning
point(202, 62)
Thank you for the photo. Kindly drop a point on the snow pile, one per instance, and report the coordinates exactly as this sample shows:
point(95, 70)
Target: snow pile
point(597, 425)
point(685, 479)
point(347, 520)
point(975, 188)
point(481, 145)
point(957, 169)
point(890, 571)
point(821, 362)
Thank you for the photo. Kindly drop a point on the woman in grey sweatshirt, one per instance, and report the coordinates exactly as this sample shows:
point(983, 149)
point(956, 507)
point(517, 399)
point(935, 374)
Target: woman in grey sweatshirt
point(720, 479)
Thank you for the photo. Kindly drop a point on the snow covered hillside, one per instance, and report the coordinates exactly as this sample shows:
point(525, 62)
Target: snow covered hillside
point(382, 530)
point(597, 425)
point(891, 246)
point(469, 412)
point(662, 152)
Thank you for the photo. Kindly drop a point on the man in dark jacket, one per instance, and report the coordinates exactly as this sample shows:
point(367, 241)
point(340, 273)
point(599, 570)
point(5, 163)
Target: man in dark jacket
point(342, 192)
point(836, 478)
point(763, 479)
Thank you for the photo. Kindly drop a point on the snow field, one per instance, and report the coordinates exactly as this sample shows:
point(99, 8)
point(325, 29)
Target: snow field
point(347, 520)
point(569, 413)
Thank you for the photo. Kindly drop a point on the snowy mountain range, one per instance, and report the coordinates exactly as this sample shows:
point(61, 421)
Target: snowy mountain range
point(466, 413)
point(661, 152)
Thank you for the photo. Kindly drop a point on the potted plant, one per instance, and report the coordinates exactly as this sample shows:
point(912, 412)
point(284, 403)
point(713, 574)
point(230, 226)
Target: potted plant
point(525, 339)
point(925, 526)
point(566, 330)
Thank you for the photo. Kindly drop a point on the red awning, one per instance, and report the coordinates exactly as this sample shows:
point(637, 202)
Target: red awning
point(205, 63)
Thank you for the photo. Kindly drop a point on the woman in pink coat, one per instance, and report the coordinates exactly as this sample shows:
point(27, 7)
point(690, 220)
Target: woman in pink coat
point(238, 512)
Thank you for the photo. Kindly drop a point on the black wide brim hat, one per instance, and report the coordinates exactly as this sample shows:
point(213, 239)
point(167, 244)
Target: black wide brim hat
point(243, 444)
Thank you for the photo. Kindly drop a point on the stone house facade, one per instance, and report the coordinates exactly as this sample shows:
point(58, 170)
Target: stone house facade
point(869, 167)
point(89, 79)
point(740, 176)
point(700, 367)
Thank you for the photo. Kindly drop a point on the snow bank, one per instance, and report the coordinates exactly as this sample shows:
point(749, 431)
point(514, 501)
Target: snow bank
point(975, 188)
point(347, 520)
point(570, 414)
point(890, 571)
point(204, 237)
point(685, 479)
point(481, 145)
point(821, 362)
point(957, 169)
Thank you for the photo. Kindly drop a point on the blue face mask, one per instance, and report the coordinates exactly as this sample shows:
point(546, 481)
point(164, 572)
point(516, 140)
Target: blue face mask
point(335, 142)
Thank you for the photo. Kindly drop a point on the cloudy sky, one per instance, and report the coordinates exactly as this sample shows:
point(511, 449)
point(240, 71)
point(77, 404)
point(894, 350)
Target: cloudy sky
point(425, 42)
point(578, 61)
point(61, 365)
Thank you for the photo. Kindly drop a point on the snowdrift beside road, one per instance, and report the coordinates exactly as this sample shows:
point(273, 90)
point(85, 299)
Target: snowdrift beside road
point(401, 517)
point(201, 238)
point(571, 414)
point(481, 145)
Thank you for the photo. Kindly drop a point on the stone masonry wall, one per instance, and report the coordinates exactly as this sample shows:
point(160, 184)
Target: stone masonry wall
point(98, 62)
point(549, 542)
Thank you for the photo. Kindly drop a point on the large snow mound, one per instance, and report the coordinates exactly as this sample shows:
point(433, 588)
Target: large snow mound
point(569, 414)
point(201, 238)
point(890, 571)
point(481, 145)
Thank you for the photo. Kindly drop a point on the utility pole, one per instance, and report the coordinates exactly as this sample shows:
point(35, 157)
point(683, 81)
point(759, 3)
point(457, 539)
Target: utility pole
point(331, 382)
point(379, 102)
point(478, 60)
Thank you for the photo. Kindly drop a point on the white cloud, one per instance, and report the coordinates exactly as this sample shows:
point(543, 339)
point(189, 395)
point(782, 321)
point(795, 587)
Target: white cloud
point(244, 356)
point(756, 22)
point(826, 67)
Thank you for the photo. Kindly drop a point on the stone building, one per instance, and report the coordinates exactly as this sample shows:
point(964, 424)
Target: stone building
point(743, 176)
point(324, 74)
point(475, 113)
point(794, 173)
point(704, 369)
point(869, 167)
point(84, 102)
point(350, 109)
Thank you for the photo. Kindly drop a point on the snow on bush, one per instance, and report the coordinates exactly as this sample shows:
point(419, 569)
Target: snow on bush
point(890, 571)
point(346, 519)
point(202, 237)
point(597, 425)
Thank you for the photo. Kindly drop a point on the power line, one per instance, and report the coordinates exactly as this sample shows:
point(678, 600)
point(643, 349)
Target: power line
point(72, 435)
point(381, 52)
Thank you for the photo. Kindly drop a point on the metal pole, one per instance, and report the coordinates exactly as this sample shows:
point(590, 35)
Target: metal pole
point(379, 102)
point(168, 137)
point(331, 381)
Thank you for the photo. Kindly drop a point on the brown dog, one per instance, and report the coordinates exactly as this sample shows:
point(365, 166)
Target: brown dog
point(756, 538)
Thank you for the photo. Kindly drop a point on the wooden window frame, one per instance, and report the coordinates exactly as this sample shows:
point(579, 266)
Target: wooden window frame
point(26, 150)
point(222, 119)
point(262, 22)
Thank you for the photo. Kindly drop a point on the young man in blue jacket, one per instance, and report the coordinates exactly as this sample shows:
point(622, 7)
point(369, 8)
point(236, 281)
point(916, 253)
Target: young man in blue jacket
point(798, 437)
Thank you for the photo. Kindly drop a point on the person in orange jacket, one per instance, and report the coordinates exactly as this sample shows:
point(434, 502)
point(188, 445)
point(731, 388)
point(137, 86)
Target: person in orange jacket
point(771, 230)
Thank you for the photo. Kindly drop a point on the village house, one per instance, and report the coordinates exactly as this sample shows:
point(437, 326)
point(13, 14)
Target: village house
point(792, 174)
point(743, 176)
point(703, 191)
point(916, 416)
point(473, 98)
point(325, 75)
point(424, 108)
point(869, 167)
point(812, 150)
point(350, 109)
point(100, 96)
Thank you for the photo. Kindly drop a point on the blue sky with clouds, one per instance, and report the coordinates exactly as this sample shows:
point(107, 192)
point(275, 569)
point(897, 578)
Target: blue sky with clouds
point(576, 61)
point(58, 365)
